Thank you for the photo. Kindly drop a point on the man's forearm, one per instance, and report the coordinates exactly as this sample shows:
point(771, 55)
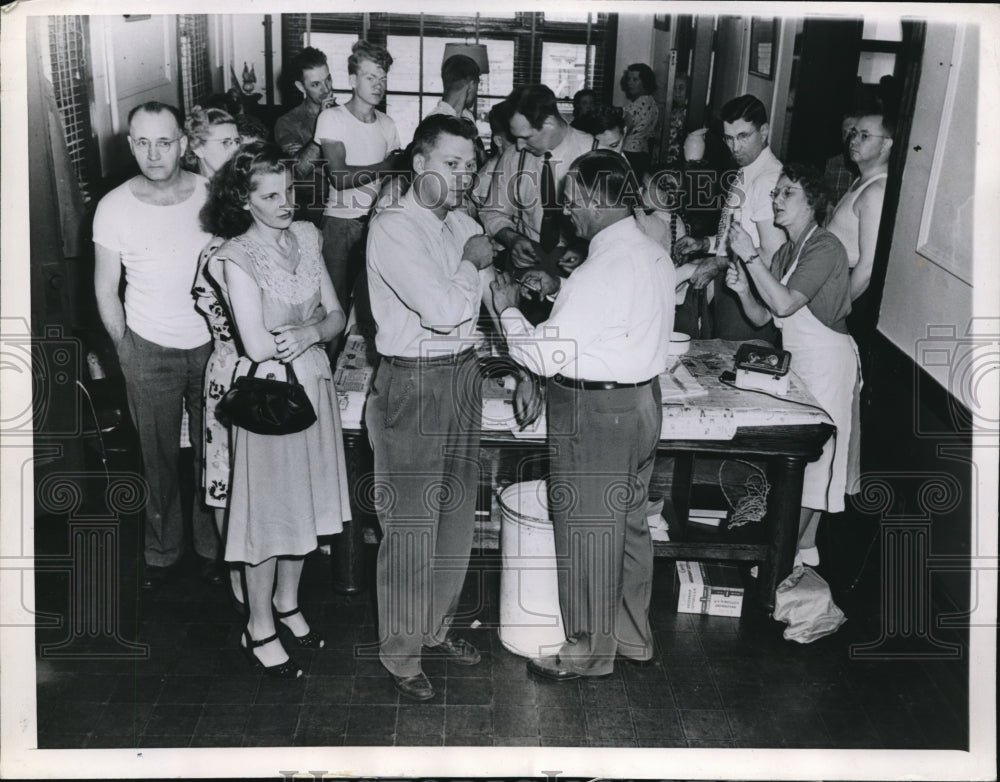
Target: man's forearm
point(112, 313)
point(350, 177)
point(305, 159)
point(506, 237)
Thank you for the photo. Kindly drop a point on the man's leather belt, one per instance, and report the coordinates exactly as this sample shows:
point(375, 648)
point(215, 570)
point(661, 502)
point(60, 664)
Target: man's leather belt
point(431, 361)
point(596, 385)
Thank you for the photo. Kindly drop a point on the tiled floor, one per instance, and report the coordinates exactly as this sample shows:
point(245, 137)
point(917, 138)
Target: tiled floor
point(717, 682)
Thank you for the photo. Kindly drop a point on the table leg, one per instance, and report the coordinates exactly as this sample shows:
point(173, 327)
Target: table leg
point(348, 547)
point(786, 500)
point(680, 487)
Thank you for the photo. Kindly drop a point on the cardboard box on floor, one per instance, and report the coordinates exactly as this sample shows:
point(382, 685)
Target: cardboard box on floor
point(709, 588)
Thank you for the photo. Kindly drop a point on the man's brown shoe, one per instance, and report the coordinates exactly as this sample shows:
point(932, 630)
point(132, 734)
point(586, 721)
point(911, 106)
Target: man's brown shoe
point(416, 687)
point(551, 667)
point(457, 650)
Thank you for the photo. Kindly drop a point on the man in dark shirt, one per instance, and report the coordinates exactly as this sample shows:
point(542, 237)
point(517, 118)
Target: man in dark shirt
point(293, 131)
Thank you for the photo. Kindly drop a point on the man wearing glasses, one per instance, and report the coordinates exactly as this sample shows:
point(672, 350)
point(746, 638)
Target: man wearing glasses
point(748, 203)
point(149, 225)
point(601, 349)
point(856, 218)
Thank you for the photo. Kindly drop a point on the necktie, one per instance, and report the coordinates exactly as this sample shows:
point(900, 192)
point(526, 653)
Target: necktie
point(549, 233)
point(729, 205)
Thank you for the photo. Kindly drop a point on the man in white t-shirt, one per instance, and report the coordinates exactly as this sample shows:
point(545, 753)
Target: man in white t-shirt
point(150, 226)
point(360, 146)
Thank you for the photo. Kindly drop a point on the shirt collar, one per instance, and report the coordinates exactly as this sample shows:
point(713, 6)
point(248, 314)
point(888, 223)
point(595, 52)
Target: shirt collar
point(409, 203)
point(559, 152)
point(613, 234)
point(443, 107)
point(764, 160)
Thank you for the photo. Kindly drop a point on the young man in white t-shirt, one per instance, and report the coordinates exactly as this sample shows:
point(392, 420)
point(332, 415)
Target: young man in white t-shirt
point(360, 145)
point(150, 226)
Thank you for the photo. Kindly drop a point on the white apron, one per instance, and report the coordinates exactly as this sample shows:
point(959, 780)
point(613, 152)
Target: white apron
point(829, 365)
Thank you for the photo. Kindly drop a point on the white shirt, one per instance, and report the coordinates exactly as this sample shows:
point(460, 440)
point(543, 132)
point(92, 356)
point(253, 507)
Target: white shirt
point(753, 195)
point(443, 107)
point(425, 299)
point(159, 248)
point(612, 317)
point(499, 210)
point(365, 144)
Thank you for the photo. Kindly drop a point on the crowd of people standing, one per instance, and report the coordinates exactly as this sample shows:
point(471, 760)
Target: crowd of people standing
point(565, 228)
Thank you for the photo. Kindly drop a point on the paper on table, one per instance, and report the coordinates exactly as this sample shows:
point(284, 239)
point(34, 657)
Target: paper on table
point(678, 383)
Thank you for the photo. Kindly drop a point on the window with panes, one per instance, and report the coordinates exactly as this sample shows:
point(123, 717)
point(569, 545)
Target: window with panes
point(568, 52)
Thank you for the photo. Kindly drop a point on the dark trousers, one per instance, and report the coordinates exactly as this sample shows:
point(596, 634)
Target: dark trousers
point(424, 422)
point(728, 319)
point(602, 448)
point(158, 380)
point(344, 256)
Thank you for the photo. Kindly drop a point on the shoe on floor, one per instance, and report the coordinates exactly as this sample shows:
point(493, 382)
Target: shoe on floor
point(458, 650)
point(807, 556)
point(416, 687)
point(551, 667)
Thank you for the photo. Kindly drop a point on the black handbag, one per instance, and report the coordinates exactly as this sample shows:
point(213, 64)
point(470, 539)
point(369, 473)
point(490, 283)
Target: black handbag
point(266, 405)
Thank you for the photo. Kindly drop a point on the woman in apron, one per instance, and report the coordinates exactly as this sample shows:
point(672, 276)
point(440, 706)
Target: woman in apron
point(806, 291)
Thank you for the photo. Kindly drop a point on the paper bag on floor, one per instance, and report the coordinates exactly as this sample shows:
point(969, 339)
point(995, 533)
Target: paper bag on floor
point(803, 601)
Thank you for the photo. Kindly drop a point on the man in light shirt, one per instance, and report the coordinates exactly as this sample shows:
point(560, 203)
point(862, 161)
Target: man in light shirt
point(602, 350)
point(460, 77)
point(359, 144)
point(150, 227)
point(429, 266)
point(855, 220)
point(748, 201)
point(515, 213)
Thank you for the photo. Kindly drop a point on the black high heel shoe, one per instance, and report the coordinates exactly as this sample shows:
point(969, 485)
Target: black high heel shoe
point(286, 670)
point(311, 640)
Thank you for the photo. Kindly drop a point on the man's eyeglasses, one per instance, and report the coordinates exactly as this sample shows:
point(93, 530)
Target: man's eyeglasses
point(161, 144)
point(864, 135)
point(784, 192)
point(227, 143)
point(742, 138)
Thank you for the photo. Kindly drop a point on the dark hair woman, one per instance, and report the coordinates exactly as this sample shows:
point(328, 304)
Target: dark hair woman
point(286, 489)
point(641, 115)
point(607, 125)
point(806, 291)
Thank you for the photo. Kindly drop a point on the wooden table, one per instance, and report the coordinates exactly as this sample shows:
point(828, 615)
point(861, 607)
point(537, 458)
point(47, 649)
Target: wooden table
point(783, 434)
